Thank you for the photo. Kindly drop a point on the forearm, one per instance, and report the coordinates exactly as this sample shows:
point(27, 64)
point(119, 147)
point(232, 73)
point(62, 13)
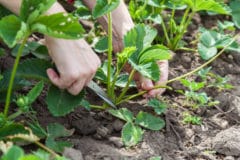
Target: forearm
point(121, 21)
point(14, 6)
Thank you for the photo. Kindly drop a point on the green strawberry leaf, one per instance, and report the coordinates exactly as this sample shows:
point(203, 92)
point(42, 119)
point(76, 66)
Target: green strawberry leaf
point(12, 30)
point(59, 25)
point(103, 7)
point(159, 107)
point(149, 121)
point(61, 102)
point(123, 114)
point(30, 10)
point(35, 92)
point(234, 5)
point(131, 134)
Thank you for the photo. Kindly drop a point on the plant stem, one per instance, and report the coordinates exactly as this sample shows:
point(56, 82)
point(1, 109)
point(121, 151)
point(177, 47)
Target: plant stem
point(183, 76)
point(184, 24)
point(139, 94)
point(109, 86)
point(14, 115)
point(125, 89)
point(166, 34)
point(14, 70)
point(46, 149)
point(98, 107)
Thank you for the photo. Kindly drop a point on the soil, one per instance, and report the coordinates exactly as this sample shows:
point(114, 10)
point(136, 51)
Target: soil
point(97, 134)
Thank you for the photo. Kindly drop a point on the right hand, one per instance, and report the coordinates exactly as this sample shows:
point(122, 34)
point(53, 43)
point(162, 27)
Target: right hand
point(75, 61)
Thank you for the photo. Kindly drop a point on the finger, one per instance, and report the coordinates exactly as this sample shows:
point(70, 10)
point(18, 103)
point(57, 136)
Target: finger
point(146, 84)
point(76, 87)
point(54, 77)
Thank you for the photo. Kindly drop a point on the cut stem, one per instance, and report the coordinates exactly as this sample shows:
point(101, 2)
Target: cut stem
point(14, 70)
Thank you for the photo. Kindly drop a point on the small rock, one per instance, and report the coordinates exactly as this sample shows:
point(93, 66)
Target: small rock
point(219, 121)
point(85, 125)
point(116, 141)
point(229, 158)
point(118, 125)
point(102, 131)
point(189, 132)
point(72, 154)
point(227, 142)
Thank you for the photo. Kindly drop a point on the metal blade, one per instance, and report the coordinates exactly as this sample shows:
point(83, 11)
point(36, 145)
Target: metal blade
point(100, 92)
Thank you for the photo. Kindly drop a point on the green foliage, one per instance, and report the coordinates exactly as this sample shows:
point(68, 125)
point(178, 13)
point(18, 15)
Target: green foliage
point(145, 57)
point(123, 114)
point(101, 45)
point(131, 132)
point(59, 25)
point(190, 119)
point(38, 50)
point(149, 121)
point(156, 158)
point(103, 7)
point(24, 102)
point(17, 153)
point(193, 86)
point(207, 5)
point(60, 102)
point(10, 129)
point(12, 29)
point(211, 40)
point(159, 107)
point(30, 10)
point(14, 152)
point(56, 131)
point(234, 5)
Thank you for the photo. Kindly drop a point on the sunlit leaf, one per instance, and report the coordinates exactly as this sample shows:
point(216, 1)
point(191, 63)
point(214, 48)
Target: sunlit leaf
point(30, 10)
point(59, 25)
point(12, 29)
point(123, 114)
point(103, 7)
point(131, 134)
point(149, 121)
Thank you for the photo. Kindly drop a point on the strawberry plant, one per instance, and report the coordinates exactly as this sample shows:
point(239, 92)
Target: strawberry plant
point(174, 27)
point(15, 30)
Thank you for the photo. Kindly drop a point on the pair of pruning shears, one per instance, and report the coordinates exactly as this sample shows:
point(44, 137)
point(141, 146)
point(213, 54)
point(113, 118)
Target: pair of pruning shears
point(101, 93)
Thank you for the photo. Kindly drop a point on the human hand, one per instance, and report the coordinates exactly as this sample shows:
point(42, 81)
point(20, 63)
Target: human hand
point(148, 85)
point(75, 61)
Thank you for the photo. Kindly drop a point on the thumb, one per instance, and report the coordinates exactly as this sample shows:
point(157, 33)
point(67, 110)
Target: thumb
point(54, 77)
point(146, 84)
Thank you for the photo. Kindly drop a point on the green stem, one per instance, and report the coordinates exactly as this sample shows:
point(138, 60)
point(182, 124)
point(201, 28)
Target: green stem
point(109, 86)
point(98, 107)
point(183, 76)
point(125, 89)
point(14, 70)
point(14, 115)
point(184, 24)
point(166, 34)
point(116, 75)
point(46, 148)
point(139, 94)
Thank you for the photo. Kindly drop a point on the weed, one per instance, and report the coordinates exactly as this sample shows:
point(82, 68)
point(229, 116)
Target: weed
point(190, 119)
